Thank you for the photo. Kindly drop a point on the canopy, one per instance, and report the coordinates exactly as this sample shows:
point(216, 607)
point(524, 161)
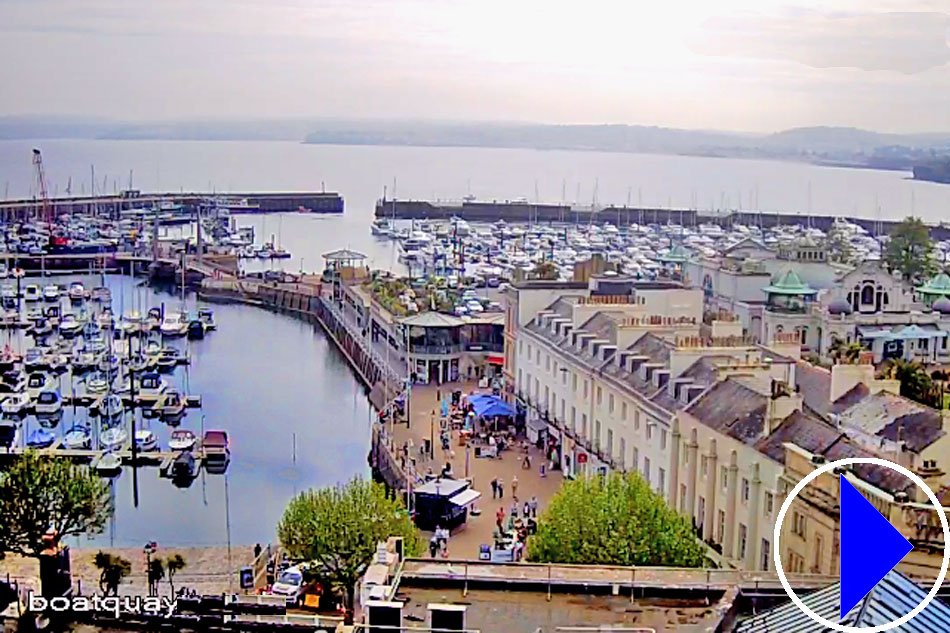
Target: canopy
point(490, 406)
point(466, 497)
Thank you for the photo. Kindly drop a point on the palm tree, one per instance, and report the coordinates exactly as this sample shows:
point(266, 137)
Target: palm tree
point(175, 564)
point(844, 352)
point(916, 384)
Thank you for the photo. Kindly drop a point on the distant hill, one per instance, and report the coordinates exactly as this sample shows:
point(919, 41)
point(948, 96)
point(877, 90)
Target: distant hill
point(844, 146)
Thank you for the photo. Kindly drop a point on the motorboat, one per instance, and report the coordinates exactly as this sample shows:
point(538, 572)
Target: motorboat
point(145, 440)
point(173, 406)
point(174, 325)
point(32, 293)
point(51, 293)
point(196, 330)
point(105, 319)
point(57, 362)
point(154, 318)
point(109, 465)
point(35, 359)
point(217, 451)
point(12, 381)
point(41, 327)
point(48, 403)
point(131, 323)
point(167, 360)
point(9, 296)
point(109, 364)
point(111, 408)
point(97, 383)
point(16, 404)
point(38, 382)
point(76, 292)
point(152, 385)
point(113, 436)
point(70, 326)
point(206, 316)
point(77, 437)
point(101, 294)
point(83, 362)
point(40, 438)
point(185, 467)
point(182, 440)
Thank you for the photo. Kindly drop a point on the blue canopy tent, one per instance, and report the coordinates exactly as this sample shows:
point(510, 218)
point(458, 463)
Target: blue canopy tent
point(488, 406)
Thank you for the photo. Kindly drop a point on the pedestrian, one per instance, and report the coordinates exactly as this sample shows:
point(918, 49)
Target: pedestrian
point(257, 551)
point(514, 509)
point(527, 509)
point(501, 488)
point(433, 546)
point(543, 471)
point(526, 462)
point(533, 504)
point(514, 487)
point(494, 488)
point(500, 517)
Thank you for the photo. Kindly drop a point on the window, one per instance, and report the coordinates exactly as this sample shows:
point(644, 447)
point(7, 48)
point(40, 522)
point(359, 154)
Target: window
point(584, 425)
point(798, 524)
point(649, 430)
point(520, 379)
point(745, 490)
point(585, 389)
point(547, 396)
point(769, 502)
point(596, 434)
point(610, 443)
point(600, 395)
point(636, 419)
point(623, 453)
point(563, 409)
point(662, 439)
point(537, 357)
point(574, 383)
point(742, 540)
point(724, 475)
point(554, 371)
point(721, 530)
point(796, 564)
point(573, 419)
point(623, 405)
point(683, 498)
point(819, 547)
point(610, 403)
point(661, 482)
point(701, 519)
point(646, 468)
point(547, 363)
point(636, 459)
point(704, 466)
point(537, 389)
point(764, 562)
point(521, 347)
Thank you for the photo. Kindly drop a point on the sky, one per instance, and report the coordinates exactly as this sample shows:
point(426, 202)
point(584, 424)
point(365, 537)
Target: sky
point(755, 65)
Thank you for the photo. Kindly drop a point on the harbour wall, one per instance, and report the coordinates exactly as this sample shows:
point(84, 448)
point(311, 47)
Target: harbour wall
point(557, 213)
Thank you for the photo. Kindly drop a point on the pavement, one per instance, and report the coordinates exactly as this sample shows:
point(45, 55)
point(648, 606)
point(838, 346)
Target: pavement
point(424, 421)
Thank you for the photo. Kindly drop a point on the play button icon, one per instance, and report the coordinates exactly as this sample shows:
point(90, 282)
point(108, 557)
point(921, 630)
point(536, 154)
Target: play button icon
point(870, 546)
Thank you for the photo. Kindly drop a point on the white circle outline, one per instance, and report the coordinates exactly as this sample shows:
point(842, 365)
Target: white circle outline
point(777, 559)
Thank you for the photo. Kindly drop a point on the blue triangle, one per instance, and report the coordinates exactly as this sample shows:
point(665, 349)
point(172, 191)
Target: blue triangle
point(870, 547)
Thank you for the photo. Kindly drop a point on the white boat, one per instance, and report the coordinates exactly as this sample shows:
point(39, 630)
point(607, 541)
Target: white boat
point(38, 382)
point(97, 384)
point(78, 436)
point(109, 465)
point(131, 323)
point(145, 440)
point(174, 405)
point(69, 326)
point(32, 293)
point(182, 440)
point(111, 407)
point(51, 293)
point(206, 316)
point(381, 228)
point(48, 403)
point(113, 436)
point(105, 319)
point(77, 292)
point(15, 404)
point(174, 325)
point(152, 385)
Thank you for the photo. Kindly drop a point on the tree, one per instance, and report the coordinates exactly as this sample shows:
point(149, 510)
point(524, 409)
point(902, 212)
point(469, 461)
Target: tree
point(846, 353)
point(112, 569)
point(910, 250)
point(175, 564)
point(838, 245)
point(614, 520)
point(39, 493)
point(916, 384)
point(339, 527)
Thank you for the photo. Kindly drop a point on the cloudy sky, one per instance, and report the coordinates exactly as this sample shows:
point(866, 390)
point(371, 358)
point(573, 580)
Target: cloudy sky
point(756, 65)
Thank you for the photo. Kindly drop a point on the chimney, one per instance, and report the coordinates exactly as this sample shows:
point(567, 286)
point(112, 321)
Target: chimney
point(781, 404)
point(845, 377)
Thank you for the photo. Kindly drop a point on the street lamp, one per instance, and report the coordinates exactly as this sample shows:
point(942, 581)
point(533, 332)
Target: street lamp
point(150, 548)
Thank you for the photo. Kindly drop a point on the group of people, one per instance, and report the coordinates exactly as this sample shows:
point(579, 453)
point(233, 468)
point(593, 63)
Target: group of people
point(439, 543)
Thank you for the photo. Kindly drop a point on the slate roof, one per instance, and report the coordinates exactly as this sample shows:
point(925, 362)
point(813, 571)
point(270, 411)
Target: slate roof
point(890, 599)
point(814, 383)
point(894, 417)
point(732, 408)
point(801, 429)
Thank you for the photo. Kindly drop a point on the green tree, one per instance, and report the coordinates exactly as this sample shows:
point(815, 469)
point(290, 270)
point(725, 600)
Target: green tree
point(614, 520)
point(40, 493)
point(846, 353)
point(839, 246)
point(175, 564)
point(112, 569)
point(338, 528)
point(910, 250)
point(916, 384)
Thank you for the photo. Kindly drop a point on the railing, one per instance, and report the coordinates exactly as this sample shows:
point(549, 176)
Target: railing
point(435, 349)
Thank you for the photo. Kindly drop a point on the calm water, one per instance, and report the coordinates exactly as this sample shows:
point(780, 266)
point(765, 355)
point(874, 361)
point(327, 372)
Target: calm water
point(264, 377)
point(360, 173)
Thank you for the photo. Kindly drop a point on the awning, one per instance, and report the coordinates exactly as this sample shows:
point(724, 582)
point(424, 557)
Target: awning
point(489, 406)
point(914, 331)
point(466, 497)
point(874, 332)
point(495, 359)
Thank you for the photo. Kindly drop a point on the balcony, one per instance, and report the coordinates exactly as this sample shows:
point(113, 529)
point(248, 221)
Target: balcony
point(436, 350)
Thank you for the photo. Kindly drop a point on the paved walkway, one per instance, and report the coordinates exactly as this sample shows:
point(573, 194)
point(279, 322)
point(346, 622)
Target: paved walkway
point(424, 421)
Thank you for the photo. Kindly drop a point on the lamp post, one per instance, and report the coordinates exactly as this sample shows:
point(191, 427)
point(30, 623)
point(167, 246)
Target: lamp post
point(150, 548)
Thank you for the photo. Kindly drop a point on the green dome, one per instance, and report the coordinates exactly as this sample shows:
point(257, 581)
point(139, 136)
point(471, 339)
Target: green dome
point(939, 285)
point(678, 253)
point(789, 283)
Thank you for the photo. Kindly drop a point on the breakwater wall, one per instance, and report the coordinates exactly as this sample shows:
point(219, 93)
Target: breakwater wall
point(519, 211)
point(306, 301)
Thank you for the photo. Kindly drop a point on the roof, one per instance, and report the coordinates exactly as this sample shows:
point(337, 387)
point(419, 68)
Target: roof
point(890, 599)
point(894, 418)
point(803, 430)
point(432, 319)
point(442, 487)
point(814, 383)
point(732, 408)
point(343, 254)
point(678, 253)
point(939, 285)
point(789, 283)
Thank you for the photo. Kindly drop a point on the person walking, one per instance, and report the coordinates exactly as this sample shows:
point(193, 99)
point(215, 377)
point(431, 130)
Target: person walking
point(500, 518)
point(494, 488)
point(526, 462)
point(501, 488)
point(514, 487)
point(527, 510)
point(533, 505)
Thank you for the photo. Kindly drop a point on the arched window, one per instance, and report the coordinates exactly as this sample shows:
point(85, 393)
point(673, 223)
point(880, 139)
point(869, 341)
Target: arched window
point(867, 295)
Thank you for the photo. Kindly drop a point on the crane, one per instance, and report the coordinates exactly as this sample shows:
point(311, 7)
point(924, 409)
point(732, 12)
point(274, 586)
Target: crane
point(41, 190)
